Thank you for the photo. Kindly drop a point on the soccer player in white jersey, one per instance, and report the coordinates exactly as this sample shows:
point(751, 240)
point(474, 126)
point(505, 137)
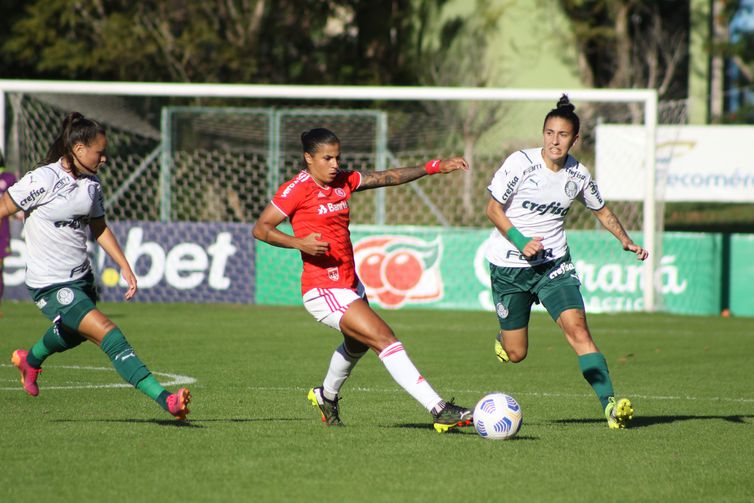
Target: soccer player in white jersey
point(62, 200)
point(529, 259)
point(316, 202)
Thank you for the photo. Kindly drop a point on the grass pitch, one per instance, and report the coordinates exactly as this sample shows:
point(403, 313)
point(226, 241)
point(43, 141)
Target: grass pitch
point(253, 436)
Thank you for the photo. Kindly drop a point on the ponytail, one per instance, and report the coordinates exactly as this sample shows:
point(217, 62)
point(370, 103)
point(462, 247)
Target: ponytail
point(75, 129)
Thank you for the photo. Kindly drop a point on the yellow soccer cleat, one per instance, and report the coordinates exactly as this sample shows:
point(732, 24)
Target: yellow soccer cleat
point(499, 351)
point(618, 414)
point(328, 409)
point(451, 416)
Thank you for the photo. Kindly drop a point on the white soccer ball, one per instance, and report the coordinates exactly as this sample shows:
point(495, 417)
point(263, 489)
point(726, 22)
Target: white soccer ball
point(497, 416)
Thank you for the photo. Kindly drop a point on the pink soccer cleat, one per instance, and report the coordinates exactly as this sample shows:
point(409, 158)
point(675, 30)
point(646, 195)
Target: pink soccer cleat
point(29, 374)
point(178, 403)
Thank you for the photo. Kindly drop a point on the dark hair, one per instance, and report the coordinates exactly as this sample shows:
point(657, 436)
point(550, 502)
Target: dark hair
point(564, 110)
point(75, 129)
point(312, 139)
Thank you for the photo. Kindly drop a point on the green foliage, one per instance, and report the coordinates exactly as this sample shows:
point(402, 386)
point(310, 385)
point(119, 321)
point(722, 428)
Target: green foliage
point(630, 44)
point(225, 41)
point(253, 436)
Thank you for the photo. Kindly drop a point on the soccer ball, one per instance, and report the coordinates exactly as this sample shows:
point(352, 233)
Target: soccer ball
point(497, 416)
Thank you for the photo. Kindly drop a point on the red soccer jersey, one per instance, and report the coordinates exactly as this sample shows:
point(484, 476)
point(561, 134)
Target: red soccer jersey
point(312, 208)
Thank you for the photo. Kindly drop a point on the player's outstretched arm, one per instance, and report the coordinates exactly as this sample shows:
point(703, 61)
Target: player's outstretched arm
point(397, 176)
point(610, 221)
point(266, 230)
point(107, 240)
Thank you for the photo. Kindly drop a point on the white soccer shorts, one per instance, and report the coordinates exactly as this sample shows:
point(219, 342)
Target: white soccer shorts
point(328, 305)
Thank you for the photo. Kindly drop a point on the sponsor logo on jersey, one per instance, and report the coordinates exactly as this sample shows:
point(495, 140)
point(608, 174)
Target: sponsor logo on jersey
point(80, 269)
point(509, 188)
point(540, 209)
point(73, 223)
point(60, 183)
point(502, 311)
point(41, 303)
point(92, 190)
point(532, 168)
point(595, 191)
point(574, 172)
point(65, 296)
point(324, 209)
point(32, 196)
point(321, 195)
point(333, 274)
point(571, 189)
point(301, 177)
point(561, 270)
point(541, 255)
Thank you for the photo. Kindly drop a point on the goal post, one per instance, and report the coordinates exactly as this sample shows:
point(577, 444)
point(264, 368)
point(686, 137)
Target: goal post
point(642, 102)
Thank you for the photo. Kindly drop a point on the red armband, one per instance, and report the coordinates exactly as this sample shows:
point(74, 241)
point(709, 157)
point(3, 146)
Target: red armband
point(432, 167)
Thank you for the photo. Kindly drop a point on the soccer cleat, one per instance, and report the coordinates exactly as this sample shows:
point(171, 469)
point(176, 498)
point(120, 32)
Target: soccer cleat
point(618, 413)
point(178, 403)
point(29, 374)
point(499, 351)
point(451, 416)
point(328, 409)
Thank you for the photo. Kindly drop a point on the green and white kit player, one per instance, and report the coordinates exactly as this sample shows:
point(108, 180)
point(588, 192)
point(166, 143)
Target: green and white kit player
point(531, 195)
point(62, 201)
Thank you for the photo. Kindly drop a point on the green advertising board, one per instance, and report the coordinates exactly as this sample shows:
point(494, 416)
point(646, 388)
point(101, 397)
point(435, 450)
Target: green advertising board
point(437, 268)
point(742, 274)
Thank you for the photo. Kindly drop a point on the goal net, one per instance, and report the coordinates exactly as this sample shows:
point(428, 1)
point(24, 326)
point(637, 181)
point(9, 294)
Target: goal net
point(213, 153)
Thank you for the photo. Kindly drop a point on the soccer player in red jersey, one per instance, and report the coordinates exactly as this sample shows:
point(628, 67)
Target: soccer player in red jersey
point(316, 202)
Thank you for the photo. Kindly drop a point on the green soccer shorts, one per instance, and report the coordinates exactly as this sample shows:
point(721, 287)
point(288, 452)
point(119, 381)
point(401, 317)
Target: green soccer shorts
point(67, 302)
point(516, 289)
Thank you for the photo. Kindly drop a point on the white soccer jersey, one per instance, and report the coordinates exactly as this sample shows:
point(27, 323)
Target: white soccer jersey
point(58, 208)
point(537, 200)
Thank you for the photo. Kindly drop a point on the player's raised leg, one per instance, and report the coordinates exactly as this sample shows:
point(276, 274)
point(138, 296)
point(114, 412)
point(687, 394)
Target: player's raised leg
point(363, 324)
point(99, 329)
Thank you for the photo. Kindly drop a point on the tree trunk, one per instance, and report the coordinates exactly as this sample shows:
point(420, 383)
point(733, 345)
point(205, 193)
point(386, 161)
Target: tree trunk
point(717, 77)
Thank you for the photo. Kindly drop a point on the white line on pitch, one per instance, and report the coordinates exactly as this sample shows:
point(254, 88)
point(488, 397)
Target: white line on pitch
point(176, 379)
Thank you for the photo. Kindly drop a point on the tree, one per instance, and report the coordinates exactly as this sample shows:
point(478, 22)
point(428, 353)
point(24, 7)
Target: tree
point(732, 52)
point(243, 41)
point(459, 58)
point(631, 44)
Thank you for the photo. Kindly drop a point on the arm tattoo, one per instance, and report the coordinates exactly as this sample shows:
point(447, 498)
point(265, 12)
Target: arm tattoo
point(612, 224)
point(396, 176)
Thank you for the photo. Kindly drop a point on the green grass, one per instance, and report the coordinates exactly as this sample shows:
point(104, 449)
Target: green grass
point(254, 437)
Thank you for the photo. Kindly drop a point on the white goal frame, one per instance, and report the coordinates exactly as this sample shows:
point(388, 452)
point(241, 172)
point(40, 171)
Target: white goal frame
point(645, 97)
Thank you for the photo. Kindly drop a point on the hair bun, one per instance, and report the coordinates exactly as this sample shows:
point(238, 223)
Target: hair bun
point(565, 104)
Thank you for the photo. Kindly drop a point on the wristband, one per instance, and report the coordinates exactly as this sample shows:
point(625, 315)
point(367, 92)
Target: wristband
point(432, 167)
point(518, 239)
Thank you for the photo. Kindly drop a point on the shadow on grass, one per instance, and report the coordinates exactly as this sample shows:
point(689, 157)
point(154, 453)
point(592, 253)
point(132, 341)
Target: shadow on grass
point(643, 421)
point(159, 422)
point(428, 426)
point(469, 430)
point(191, 423)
